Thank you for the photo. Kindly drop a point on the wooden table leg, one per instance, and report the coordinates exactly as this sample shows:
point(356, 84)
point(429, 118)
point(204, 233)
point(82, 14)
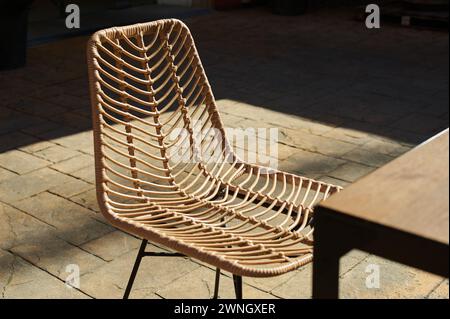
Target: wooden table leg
point(328, 249)
point(326, 275)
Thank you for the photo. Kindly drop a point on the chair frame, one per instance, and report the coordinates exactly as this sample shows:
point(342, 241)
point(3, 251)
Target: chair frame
point(194, 224)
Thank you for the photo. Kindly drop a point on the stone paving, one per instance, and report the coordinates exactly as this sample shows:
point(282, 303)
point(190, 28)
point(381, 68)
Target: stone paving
point(346, 100)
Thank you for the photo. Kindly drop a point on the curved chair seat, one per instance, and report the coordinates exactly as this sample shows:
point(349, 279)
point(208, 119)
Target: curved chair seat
point(161, 177)
point(225, 228)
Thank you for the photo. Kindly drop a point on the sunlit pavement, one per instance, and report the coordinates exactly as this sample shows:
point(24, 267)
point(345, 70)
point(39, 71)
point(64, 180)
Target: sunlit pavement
point(345, 100)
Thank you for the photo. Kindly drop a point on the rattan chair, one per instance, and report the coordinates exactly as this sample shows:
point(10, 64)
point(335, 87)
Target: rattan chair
point(150, 95)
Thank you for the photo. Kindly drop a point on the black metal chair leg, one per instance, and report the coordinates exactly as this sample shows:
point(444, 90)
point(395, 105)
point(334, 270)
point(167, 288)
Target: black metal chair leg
point(237, 280)
point(216, 284)
point(137, 263)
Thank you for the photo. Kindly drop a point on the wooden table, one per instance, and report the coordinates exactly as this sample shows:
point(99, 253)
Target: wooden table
point(399, 212)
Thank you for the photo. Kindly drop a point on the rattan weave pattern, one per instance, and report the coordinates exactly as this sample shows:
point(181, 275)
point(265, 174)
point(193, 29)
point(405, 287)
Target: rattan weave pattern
point(149, 95)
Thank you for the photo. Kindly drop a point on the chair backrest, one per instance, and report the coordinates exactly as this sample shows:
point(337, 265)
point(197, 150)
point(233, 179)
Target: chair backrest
point(151, 106)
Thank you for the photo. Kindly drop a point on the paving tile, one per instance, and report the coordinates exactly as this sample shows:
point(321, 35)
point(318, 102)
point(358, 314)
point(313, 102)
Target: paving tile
point(74, 164)
point(21, 162)
point(396, 281)
point(77, 87)
point(300, 285)
point(199, 284)
point(68, 100)
point(73, 222)
point(87, 174)
point(385, 147)
point(112, 245)
point(52, 75)
point(22, 280)
point(14, 140)
point(350, 172)
point(109, 281)
point(230, 120)
point(75, 120)
point(248, 111)
point(226, 105)
point(257, 117)
point(77, 140)
point(54, 255)
point(35, 106)
point(285, 151)
point(72, 187)
point(87, 199)
point(48, 92)
point(255, 140)
point(40, 128)
point(408, 139)
point(57, 134)
point(308, 163)
point(368, 158)
point(257, 159)
point(22, 186)
point(270, 283)
point(18, 228)
point(321, 116)
point(304, 97)
point(56, 153)
point(395, 88)
point(314, 127)
point(348, 135)
point(314, 143)
point(441, 291)
point(89, 150)
point(36, 146)
point(422, 124)
point(14, 86)
point(359, 107)
point(4, 174)
point(84, 111)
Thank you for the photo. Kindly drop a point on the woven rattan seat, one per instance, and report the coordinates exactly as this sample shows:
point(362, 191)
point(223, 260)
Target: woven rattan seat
point(150, 95)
